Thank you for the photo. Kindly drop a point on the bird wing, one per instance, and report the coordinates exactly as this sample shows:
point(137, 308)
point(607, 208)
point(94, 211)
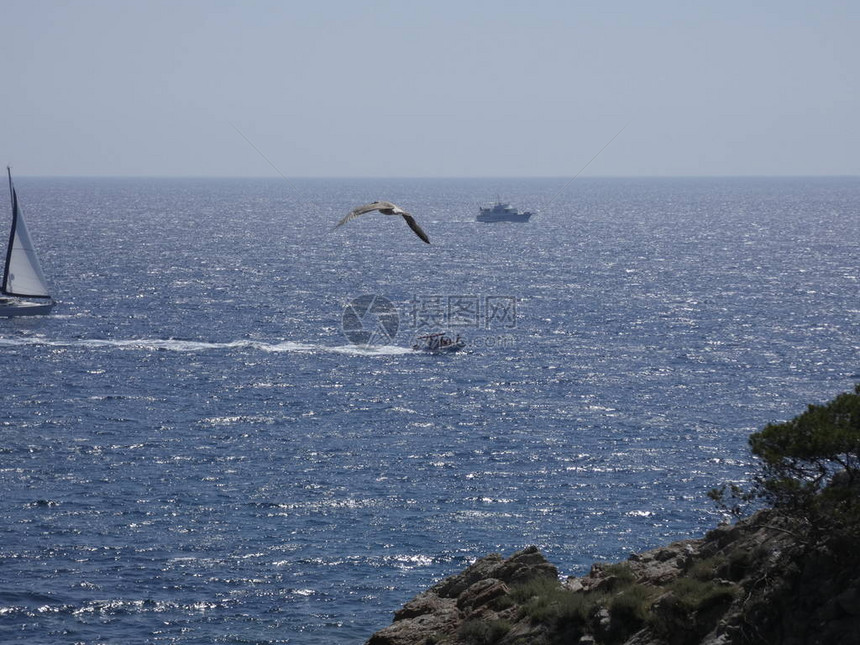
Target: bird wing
point(390, 209)
point(361, 210)
point(414, 226)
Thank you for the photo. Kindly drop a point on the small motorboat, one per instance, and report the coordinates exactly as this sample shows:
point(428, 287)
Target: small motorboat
point(438, 343)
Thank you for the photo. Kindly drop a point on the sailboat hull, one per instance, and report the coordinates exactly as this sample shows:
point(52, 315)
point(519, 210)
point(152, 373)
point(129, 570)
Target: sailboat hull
point(22, 308)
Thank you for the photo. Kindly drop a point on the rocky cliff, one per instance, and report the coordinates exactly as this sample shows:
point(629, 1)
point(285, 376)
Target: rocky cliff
point(757, 581)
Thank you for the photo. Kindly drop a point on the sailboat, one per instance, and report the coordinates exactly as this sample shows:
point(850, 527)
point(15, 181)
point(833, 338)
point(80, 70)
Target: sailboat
point(24, 290)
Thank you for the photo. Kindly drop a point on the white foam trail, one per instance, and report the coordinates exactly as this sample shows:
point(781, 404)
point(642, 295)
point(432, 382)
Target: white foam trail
point(175, 345)
point(370, 350)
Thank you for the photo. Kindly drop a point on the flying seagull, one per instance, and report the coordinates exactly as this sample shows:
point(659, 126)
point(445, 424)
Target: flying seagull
point(386, 208)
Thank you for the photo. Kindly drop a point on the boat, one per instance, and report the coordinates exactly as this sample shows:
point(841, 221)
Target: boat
point(438, 343)
point(24, 290)
point(500, 212)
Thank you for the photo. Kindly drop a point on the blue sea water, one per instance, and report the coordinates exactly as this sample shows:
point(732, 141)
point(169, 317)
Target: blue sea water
point(191, 450)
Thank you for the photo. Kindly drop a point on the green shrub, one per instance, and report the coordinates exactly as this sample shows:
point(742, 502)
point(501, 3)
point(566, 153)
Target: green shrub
point(525, 591)
point(741, 561)
point(483, 632)
point(629, 611)
point(707, 568)
point(810, 471)
point(547, 602)
point(557, 606)
point(696, 595)
point(691, 609)
point(632, 605)
point(620, 575)
point(811, 466)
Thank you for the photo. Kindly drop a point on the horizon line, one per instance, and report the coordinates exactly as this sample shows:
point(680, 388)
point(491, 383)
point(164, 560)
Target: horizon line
point(442, 177)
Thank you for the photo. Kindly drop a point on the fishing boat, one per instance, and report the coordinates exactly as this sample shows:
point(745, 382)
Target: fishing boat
point(438, 343)
point(24, 290)
point(500, 212)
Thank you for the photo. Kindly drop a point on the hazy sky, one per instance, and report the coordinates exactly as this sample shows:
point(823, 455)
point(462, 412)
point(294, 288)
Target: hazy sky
point(443, 88)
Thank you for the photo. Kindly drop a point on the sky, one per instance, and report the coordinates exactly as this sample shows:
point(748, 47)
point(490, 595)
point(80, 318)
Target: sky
point(448, 88)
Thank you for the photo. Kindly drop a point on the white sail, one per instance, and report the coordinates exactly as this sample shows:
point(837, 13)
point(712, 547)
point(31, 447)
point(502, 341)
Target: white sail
point(22, 275)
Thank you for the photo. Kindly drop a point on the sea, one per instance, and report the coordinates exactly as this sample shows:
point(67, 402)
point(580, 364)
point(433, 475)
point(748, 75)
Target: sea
point(222, 434)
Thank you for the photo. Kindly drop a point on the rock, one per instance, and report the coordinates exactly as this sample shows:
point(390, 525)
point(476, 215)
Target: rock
point(439, 612)
point(661, 566)
point(481, 594)
point(602, 617)
point(717, 639)
point(849, 602)
point(754, 582)
point(423, 603)
point(525, 566)
point(573, 584)
point(453, 586)
point(422, 628)
point(521, 567)
point(661, 555)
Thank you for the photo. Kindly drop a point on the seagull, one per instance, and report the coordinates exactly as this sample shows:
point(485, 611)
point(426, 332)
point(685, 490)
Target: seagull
point(386, 208)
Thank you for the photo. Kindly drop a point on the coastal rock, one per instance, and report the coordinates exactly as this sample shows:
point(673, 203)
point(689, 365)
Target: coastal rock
point(751, 583)
point(517, 569)
point(481, 594)
point(438, 614)
point(422, 618)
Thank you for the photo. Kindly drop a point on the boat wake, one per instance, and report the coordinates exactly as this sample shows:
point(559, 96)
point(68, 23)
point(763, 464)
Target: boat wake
point(178, 345)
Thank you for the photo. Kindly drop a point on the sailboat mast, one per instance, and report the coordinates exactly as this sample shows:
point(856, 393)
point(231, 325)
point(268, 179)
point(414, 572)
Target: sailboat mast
point(7, 259)
point(12, 197)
